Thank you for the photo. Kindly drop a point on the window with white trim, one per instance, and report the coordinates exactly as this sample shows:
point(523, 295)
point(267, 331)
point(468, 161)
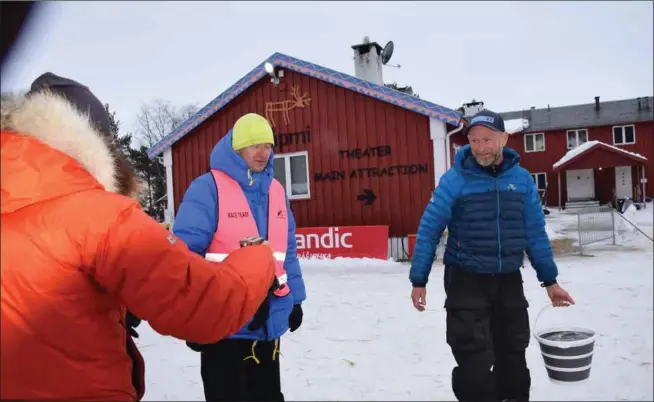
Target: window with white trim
point(577, 137)
point(535, 142)
point(623, 135)
point(292, 171)
point(541, 181)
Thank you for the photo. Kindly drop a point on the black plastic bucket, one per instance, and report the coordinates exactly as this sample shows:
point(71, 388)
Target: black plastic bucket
point(567, 353)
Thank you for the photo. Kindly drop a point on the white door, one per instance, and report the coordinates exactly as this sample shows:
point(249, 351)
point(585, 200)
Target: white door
point(623, 185)
point(580, 184)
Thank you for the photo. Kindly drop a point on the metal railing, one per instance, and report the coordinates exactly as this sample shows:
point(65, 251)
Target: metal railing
point(594, 225)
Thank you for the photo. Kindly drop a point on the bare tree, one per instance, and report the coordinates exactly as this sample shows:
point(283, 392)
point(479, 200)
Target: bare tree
point(159, 118)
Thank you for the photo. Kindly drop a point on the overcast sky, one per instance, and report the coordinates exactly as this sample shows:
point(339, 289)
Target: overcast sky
point(511, 55)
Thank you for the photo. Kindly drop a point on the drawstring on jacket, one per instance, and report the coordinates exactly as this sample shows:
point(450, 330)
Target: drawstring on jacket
point(276, 349)
point(250, 178)
point(253, 356)
point(275, 352)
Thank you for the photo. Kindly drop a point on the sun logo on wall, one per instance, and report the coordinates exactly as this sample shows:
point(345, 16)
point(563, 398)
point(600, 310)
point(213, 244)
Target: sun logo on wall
point(285, 106)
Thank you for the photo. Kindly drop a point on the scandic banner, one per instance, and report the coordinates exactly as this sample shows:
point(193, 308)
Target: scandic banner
point(343, 241)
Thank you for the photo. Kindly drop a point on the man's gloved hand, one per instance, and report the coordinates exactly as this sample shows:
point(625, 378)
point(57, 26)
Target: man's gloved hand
point(131, 322)
point(261, 316)
point(295, 319)
point(196, 347)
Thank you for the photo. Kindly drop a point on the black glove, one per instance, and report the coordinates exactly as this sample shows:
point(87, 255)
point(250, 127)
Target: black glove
point(295, 319)
point(131, 322)
point(196, 347)
point(261, 316)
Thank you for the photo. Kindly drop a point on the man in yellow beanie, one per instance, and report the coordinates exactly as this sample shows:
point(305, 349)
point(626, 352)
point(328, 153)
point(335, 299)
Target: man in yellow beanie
point(240, 198)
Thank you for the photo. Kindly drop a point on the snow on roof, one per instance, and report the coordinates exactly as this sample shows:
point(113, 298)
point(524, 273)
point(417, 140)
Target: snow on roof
point(515, 125)
point(588, 145)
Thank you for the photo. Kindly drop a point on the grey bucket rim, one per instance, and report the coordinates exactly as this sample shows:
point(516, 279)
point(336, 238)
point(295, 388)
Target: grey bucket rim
point(562, 345)
point(567, 344)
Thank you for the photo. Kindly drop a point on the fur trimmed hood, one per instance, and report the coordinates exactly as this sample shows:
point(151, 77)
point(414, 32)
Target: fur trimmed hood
point(54, 121)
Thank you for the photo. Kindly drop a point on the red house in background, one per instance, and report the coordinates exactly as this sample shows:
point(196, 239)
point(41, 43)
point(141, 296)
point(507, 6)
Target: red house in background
point(349, 150)
point(587, 154)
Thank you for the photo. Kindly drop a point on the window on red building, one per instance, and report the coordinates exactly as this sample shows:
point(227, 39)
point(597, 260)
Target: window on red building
point(577, 137)
point(623, 135)
point(535, 142)
point(292, 171)
point(541, 181)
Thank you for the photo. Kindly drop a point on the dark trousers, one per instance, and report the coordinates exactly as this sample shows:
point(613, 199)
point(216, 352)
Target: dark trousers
point(228, 377)
point(488, 332)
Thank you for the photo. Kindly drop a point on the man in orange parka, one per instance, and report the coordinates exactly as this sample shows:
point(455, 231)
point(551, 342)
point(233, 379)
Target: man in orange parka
point(77, 252)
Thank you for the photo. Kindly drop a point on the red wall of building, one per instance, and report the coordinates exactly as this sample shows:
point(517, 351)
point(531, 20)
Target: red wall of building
point(337, 120)
point(556, 148)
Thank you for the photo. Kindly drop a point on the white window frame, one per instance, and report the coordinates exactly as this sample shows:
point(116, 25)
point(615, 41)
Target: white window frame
point(287, 171)
point(623, 136)
point(534, 176)
point(534, 135)
point(576, 131)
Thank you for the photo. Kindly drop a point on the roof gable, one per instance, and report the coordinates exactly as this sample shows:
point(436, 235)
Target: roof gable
point(367, 88)
point(585, 148)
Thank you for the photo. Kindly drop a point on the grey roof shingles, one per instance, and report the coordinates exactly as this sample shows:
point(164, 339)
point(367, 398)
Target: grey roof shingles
point(583, 116)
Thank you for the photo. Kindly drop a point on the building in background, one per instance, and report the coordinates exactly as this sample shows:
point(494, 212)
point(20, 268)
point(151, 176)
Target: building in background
point(354, 153)
point(588, 154)
point(349, 150)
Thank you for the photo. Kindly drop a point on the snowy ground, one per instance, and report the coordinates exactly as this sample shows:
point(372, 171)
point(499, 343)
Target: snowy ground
point(362, 340)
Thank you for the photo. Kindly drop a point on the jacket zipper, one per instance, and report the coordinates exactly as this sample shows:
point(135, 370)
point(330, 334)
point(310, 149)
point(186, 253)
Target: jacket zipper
point(499, 235)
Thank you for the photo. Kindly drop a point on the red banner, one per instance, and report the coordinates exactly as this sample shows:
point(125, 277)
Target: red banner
point(343, 241)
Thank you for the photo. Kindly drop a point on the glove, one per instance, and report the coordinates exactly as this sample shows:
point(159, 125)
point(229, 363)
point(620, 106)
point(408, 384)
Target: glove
point(196, 347)
point(261, 316)
point(295, 319)
point(131, 322)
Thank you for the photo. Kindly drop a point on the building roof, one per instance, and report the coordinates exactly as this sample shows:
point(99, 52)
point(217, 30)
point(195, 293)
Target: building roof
point(364, 87)
point(585, 115)
point(585, 148)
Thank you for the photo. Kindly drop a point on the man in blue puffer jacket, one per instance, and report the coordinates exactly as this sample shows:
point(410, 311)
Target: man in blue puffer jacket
point(246, 365)
point(490, 205)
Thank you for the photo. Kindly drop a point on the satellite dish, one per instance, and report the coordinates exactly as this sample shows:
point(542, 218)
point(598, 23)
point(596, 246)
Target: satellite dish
point(387, 53)
point(269, 67)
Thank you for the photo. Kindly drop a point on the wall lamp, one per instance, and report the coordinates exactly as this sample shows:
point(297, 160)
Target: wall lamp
point(275, 72)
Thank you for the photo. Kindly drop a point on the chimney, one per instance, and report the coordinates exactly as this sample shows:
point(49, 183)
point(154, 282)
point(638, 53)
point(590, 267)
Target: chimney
point(368, 61)
point(640, 106)
point(471, 108)
point(597, 104)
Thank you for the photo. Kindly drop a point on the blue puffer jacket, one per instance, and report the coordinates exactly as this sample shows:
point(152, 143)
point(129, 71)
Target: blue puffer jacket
point(197, 220)
point(491, 220)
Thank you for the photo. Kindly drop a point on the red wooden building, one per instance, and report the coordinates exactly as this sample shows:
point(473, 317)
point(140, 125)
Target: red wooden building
point(587, 154)
point(349, 151)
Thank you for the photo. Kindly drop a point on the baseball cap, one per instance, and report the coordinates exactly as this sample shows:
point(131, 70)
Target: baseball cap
point(486, 118)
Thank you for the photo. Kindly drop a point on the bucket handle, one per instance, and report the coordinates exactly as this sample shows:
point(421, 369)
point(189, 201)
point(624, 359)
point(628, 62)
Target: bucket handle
point(542, 310)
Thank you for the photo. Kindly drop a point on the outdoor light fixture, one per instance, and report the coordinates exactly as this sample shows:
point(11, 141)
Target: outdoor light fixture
point(274, 72)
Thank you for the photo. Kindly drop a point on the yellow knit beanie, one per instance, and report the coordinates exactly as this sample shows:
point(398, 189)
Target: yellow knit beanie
point(251, 129)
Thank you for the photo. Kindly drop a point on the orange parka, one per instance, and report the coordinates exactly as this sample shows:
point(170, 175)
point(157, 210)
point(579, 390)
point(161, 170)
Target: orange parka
point(76, 255)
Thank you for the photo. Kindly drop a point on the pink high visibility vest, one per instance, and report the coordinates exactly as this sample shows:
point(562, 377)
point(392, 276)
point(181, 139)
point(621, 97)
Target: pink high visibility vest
point(235, 222)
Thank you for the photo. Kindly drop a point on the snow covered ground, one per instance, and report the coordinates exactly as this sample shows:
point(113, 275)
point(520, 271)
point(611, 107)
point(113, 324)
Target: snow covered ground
point(362, 340)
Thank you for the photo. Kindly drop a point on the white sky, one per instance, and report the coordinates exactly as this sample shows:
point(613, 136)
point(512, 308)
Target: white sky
point(511, 55)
